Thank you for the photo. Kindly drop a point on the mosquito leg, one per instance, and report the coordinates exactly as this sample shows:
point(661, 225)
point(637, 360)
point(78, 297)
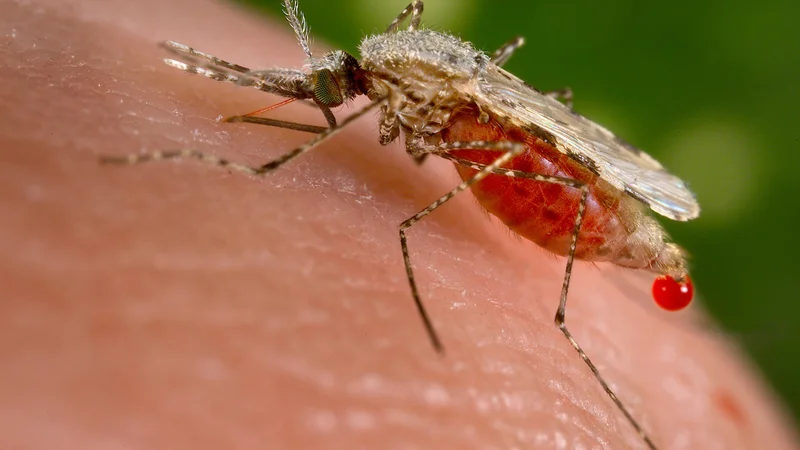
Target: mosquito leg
point(416, 15)
point(503, 54)
point(419, 160)
point(560, 320)
point(277, 123)
point(253, 170)
point(510, 150)
point(511, 172)
point(560, 317)
point(329, 117)
point(392, 28)
point(563, 95)
point(415, 9)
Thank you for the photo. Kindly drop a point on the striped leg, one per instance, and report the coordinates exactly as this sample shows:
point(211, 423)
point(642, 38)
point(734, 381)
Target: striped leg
point(415, 10)
point(253, 170)
point(510, 149)
point(563, 95)
point(503, 54)
point(561, 312)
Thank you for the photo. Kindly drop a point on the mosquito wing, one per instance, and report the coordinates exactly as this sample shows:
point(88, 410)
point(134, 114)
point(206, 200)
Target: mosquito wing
point(618, 163)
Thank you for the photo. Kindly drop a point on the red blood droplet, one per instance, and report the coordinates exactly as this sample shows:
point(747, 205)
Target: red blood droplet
point(671, 294)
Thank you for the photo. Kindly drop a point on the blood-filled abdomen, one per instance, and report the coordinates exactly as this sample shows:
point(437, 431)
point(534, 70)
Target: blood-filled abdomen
point(614, 226)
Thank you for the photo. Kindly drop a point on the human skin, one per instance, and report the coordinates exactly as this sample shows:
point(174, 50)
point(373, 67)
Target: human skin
point(178, 305)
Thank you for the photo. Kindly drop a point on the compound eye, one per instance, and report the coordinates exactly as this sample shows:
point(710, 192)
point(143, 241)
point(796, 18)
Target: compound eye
point(326, 89)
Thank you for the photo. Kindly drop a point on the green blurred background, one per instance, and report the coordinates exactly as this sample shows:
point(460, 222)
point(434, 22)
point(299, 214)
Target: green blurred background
point(709, 87)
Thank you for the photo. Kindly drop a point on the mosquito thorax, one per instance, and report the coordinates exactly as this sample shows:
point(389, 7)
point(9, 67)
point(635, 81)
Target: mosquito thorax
point(425, 73)
point(335, 78)
point(422, 53)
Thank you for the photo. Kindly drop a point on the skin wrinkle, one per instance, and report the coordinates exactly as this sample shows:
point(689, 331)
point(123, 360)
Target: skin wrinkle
point(177, 305)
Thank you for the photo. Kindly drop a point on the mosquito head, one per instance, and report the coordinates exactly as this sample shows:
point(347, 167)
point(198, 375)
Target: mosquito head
point(335, 78)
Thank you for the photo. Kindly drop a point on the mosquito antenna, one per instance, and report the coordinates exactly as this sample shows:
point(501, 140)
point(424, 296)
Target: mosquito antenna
point(298, 22)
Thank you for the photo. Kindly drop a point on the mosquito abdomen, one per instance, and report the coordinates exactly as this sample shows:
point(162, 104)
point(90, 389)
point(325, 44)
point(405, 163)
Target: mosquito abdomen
point(614, 228)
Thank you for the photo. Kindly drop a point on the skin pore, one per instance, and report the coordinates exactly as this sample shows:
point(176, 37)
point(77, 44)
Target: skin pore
point(178, 305)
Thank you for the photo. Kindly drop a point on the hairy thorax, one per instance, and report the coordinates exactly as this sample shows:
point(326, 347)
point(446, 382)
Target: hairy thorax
point(424, 75)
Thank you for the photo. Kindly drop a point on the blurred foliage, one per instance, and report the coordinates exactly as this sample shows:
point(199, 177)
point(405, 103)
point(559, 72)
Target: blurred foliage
point(710, 88)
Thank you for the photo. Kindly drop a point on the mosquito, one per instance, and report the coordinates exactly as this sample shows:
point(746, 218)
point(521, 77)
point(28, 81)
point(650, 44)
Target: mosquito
point(551, 175)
